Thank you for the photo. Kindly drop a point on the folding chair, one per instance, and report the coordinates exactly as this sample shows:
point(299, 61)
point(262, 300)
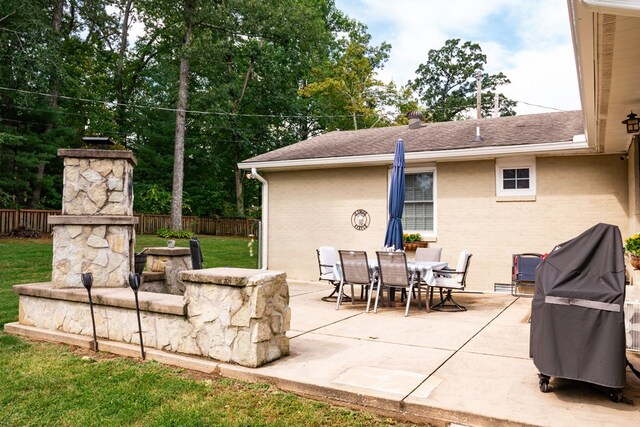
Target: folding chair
point(523, 273)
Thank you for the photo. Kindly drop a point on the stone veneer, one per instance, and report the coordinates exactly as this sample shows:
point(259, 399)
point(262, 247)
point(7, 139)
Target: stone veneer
point(97, 182)
point(170, 261)
point(95, 231)
point(231, 315)
point(240, 315)
point(102, 249)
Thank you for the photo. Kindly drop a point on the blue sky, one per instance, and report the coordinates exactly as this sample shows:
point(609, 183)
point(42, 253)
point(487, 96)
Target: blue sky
point(528, 40)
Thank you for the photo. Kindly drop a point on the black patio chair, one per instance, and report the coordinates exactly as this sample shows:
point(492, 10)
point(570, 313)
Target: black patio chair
point(196, 253)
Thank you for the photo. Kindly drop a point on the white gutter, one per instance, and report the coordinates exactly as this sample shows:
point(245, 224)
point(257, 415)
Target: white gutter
point(579, 143)
point(264, 239)
point(614, 7)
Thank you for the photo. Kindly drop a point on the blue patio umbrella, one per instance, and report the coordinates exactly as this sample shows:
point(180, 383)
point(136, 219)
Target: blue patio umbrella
point(396, 199)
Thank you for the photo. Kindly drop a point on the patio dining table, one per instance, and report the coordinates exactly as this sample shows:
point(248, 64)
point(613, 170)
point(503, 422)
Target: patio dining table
point(419, 270)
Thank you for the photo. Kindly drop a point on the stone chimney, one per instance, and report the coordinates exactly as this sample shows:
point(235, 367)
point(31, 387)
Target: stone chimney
point(415, 119)
point(95, 232)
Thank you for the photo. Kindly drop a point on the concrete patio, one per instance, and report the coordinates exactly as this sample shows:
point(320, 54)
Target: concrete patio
point(438, 368)
point(469, 368)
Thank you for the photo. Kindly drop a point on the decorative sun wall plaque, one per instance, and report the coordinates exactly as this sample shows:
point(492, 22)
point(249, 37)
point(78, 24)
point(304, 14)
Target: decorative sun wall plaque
point(360, 219)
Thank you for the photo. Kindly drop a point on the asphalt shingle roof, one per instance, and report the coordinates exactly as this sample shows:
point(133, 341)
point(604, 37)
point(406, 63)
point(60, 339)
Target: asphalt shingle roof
point(457, 135)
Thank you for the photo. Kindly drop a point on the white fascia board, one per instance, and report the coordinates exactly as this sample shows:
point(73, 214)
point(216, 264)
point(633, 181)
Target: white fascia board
point(614, 7)
point(582, 23)
point(582, 38)
point(577, 146)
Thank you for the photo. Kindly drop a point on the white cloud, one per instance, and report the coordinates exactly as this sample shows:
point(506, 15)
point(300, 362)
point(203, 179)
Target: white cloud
point(528, 40)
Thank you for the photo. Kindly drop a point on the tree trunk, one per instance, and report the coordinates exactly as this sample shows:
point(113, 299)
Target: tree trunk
point(239, 191)
point(124, 40)
point(183, 93)
point(56, 23)
point(237, 172)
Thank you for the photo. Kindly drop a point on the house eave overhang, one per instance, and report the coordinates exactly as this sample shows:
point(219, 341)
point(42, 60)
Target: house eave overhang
point(577, 146)
point(605, 34)
point(616, 7)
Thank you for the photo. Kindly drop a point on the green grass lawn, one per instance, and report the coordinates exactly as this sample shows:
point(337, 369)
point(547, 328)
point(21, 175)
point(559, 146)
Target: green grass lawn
point(47, 384)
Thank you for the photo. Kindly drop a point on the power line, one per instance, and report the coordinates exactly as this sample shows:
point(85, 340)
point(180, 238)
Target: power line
point(541, 106)
point(201, 112)
point(109, 104)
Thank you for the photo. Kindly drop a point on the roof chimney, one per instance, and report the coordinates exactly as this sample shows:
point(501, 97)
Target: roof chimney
point(415, 119)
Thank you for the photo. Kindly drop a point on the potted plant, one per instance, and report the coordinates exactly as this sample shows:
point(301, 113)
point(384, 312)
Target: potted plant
point(632, 246)
point(413, 241)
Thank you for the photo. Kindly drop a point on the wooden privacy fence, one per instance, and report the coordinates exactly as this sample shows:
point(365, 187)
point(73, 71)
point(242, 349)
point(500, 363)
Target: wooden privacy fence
point(32, 218)
point(147, 224)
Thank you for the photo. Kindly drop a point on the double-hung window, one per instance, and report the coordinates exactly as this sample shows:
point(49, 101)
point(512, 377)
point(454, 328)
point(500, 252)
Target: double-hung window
point(516, 177)
point(419, 201)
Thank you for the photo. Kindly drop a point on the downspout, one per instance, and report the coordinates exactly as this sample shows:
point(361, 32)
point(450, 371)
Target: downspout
point(264, 239)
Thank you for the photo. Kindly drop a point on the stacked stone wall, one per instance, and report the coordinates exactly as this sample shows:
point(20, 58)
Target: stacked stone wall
point(95, 232)
point(103, 250)
point(231, 315)
point(97, 187)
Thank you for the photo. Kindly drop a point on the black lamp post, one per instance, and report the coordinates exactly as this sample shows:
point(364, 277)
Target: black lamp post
point(134, 282)
point(632, 123)
point(87, 282)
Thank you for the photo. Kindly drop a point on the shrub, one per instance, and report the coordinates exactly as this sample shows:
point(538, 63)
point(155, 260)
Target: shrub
point(632, 244)
point(410, 238)
point(25, 232)
point(167, 233)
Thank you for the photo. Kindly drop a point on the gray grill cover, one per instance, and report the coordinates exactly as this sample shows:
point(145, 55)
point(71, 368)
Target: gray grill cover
point(577, 318)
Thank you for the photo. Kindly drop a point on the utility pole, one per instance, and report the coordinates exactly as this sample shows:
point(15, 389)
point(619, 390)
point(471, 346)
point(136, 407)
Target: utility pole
point(479, 95)
point(496, 105)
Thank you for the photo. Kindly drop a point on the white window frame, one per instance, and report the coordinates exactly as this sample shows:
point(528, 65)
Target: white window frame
point(426, 234)
point(516, 163)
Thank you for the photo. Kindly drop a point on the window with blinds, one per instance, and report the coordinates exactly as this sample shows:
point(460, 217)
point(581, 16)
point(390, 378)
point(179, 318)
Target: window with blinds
point(418, 202)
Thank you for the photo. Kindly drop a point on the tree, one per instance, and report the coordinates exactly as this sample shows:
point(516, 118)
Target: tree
point(446, 83)
point(345, 84)
point(48, 47)
point(249, 71)
point(181, 114)
point(206, 85)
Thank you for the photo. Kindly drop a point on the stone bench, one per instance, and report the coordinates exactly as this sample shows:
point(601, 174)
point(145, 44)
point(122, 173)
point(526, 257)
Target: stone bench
point(230, 315)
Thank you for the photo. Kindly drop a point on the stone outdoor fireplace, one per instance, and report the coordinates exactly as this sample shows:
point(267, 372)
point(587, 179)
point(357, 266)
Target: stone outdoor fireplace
point(229, 315)
point(96, 229)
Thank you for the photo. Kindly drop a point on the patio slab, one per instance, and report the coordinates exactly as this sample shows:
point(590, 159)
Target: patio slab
point(468, 368)
point(473, 367)
point(378, 369)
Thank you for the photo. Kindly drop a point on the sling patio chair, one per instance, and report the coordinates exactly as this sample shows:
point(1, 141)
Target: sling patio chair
point(449, 279)
point(394, 274)
point(428, 254)
point(523, 273)
point(355, 271)
point(327, 258)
